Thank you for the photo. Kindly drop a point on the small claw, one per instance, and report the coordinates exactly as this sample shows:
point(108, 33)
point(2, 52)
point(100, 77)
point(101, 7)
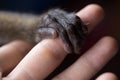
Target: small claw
point(45, 33)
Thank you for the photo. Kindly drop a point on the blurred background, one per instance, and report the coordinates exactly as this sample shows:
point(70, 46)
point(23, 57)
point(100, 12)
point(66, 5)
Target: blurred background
point(110, 26)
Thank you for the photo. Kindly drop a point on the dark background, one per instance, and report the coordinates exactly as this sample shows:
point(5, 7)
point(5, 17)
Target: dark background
point(109, 26)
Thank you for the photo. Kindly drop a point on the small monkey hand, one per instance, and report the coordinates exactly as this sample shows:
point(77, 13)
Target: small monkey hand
point(67, 26)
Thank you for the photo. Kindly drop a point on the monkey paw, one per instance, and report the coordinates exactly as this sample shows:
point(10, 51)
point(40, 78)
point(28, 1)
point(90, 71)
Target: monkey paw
point(67, 26)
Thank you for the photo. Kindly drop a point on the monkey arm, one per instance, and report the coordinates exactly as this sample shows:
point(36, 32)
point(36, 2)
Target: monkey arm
point(17, 26)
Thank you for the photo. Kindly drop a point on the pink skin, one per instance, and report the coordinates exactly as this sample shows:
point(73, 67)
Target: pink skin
point(48, 54)
point(107, 76)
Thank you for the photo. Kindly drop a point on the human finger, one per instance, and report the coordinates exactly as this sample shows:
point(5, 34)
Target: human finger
point(91, 61)
point(91, 15)
point(46, 56)
point(12, 53)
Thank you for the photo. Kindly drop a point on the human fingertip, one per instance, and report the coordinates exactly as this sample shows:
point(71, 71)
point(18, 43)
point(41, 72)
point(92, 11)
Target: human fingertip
point(96, 7)
point(112, 43)
point(91, 15)
point(107, 76)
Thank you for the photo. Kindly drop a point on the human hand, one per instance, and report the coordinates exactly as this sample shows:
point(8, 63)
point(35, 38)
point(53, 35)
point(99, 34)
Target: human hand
point(46, 55)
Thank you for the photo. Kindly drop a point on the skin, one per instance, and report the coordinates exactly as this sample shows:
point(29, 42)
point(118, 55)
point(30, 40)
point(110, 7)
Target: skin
point(49, 57)
point(107, 76)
